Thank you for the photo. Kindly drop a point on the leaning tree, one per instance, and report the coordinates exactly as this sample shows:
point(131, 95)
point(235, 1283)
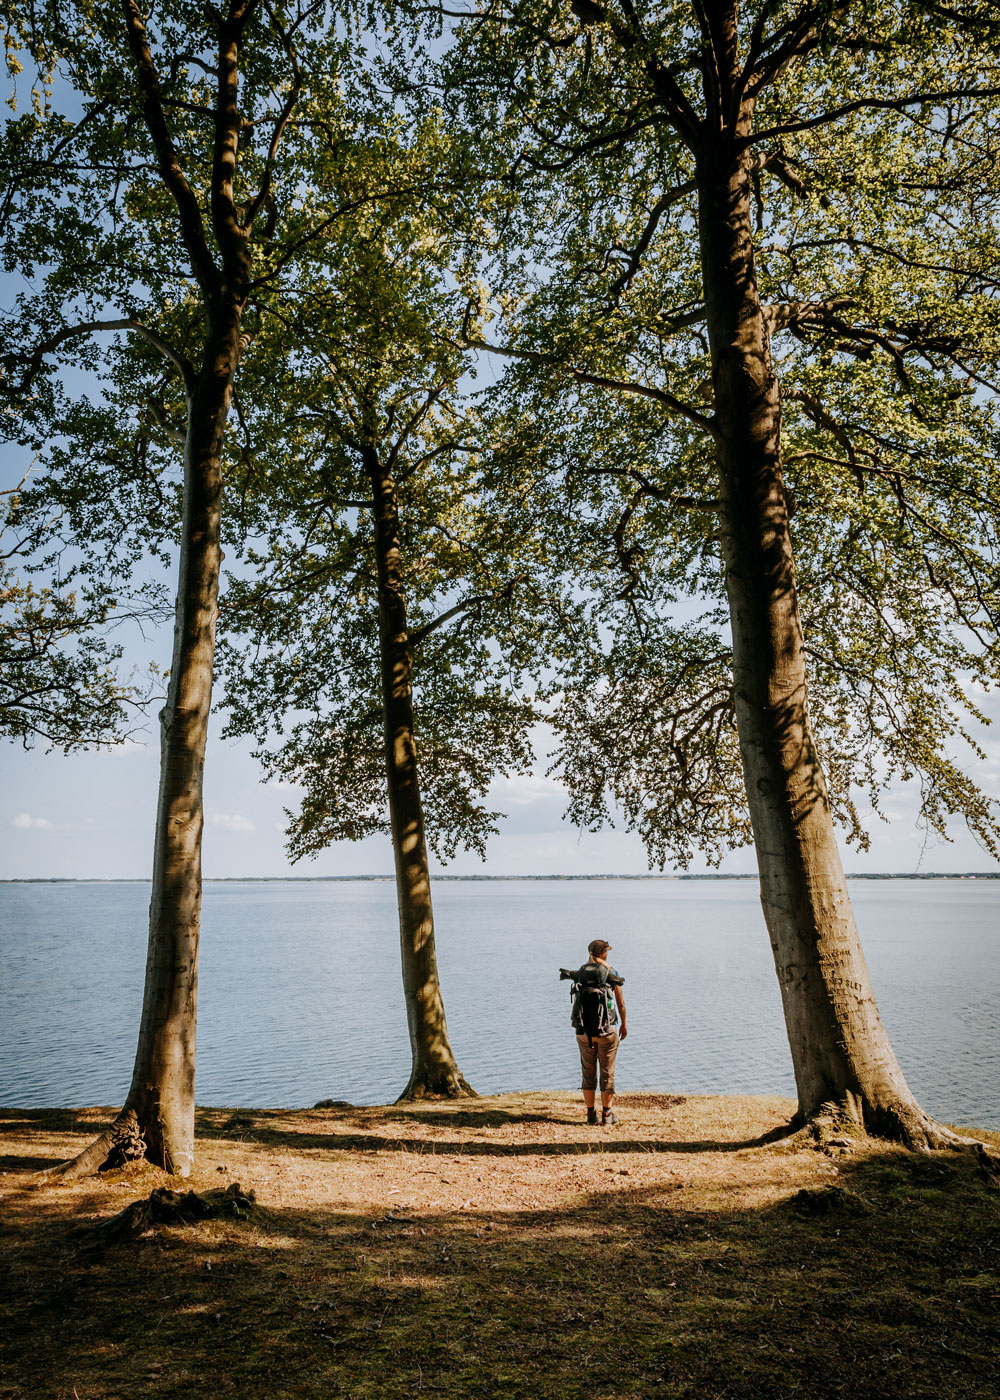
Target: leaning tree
point(764, 304)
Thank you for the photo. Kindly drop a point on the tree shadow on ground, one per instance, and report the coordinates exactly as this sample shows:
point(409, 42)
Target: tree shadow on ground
point(68, 1120)
point(260, 1126)
point(24, 1164)
point(469, 1117)
point(886, 1285)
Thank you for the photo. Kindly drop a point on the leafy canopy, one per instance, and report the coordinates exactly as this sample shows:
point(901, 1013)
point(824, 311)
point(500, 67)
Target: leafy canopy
point(870, 139)
point(367, 379)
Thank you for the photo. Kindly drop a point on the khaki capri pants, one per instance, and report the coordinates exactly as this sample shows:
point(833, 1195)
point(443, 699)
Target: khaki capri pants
point(603, 1051)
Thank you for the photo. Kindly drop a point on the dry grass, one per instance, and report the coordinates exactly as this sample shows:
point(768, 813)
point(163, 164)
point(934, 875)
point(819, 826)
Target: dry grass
point(501, 1247)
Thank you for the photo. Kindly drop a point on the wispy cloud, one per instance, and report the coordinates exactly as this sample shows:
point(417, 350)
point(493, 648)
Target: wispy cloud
point(25, 822)
point(232, 823)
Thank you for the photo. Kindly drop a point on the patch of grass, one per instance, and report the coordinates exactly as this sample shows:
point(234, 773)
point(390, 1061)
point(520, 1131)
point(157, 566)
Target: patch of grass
point(504, 1248)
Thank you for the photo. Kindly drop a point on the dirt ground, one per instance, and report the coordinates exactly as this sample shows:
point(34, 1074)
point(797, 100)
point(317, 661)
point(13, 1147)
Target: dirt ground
point(500, 1247)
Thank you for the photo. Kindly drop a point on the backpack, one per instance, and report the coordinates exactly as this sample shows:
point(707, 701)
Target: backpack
point(593, 1000)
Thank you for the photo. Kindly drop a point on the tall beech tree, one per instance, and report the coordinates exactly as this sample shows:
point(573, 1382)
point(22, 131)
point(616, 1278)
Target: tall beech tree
point(160, 206)
point(769, 230)
point(393, 604)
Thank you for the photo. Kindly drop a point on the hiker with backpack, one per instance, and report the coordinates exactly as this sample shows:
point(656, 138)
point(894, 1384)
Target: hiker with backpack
point(597, 1005)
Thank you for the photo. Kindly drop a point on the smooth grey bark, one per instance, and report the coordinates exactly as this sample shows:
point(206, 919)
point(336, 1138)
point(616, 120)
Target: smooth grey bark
point(840, 1050)
point(434, 1070)
point(157, 1118)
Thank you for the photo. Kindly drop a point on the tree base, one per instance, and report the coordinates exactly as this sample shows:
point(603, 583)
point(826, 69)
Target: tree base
point(130, 1138)
point(437, 1083)
point(122, 1142)
point(903, 1122)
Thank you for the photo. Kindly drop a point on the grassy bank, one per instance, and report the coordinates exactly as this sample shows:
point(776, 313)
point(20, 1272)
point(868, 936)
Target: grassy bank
point(501, 1247)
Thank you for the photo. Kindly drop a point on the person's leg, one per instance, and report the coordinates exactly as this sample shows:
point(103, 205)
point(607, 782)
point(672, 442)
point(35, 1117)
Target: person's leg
point(588, 1064)
point(608, 1053)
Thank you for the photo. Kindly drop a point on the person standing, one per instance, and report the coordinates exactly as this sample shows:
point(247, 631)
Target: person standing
point(600, 1024)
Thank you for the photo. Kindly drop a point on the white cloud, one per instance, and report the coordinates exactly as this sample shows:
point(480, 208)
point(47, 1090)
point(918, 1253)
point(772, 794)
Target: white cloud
point(232, 823)
point(25, 822)
point(524, 788)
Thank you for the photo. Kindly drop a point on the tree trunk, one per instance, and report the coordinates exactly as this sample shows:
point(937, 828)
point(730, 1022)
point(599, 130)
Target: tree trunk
point(434, 1070)
point(840, 1050)
point(157, 1118)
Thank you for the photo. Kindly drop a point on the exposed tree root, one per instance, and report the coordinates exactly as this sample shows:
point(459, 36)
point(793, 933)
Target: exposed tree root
point(122, 1142)
point(165, 1207)
point(825, 1200)
point(437, 1082)
point(905, 1123)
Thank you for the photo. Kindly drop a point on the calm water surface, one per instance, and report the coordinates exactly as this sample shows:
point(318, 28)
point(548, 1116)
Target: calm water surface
point(300, 994)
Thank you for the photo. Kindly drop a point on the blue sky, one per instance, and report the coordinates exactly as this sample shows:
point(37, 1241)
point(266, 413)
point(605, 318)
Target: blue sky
point(90, 815)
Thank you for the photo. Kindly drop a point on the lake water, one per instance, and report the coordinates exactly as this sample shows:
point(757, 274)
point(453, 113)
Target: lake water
point(300, 995)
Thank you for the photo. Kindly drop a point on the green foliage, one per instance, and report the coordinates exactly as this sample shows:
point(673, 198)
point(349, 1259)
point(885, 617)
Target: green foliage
point(374, 373)
point(130, 236)
point(380, 251)
point(58, 678)
point(145, 162)
point(874, 166)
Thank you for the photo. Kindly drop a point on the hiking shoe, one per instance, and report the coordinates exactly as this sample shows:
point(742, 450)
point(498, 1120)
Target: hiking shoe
point(608, 1119)
point(592, 1115)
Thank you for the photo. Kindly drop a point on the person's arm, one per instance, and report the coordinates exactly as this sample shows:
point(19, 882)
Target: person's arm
point(621, 1013)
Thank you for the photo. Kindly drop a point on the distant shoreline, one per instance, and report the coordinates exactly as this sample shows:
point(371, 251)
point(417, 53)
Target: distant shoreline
point(386, 879)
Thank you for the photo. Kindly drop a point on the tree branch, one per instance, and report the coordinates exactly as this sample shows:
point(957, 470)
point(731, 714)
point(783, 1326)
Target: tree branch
point(790, 315)
point(230, 234)
point(593, 143)
point(171, 171)
point(600, 381)
point(661, 206)
point(250, 213)
point(414, 420)
point(863, 104)
point(126, 323)
point(504, 595)
point(795, 39)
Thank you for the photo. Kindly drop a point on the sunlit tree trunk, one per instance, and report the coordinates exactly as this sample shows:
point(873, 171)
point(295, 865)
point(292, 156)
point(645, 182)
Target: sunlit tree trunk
point(434, 1070)
point(157, 1118)
point(840, 1050)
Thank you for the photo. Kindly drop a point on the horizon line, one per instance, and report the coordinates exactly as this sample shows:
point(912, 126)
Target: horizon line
point(369, 878)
